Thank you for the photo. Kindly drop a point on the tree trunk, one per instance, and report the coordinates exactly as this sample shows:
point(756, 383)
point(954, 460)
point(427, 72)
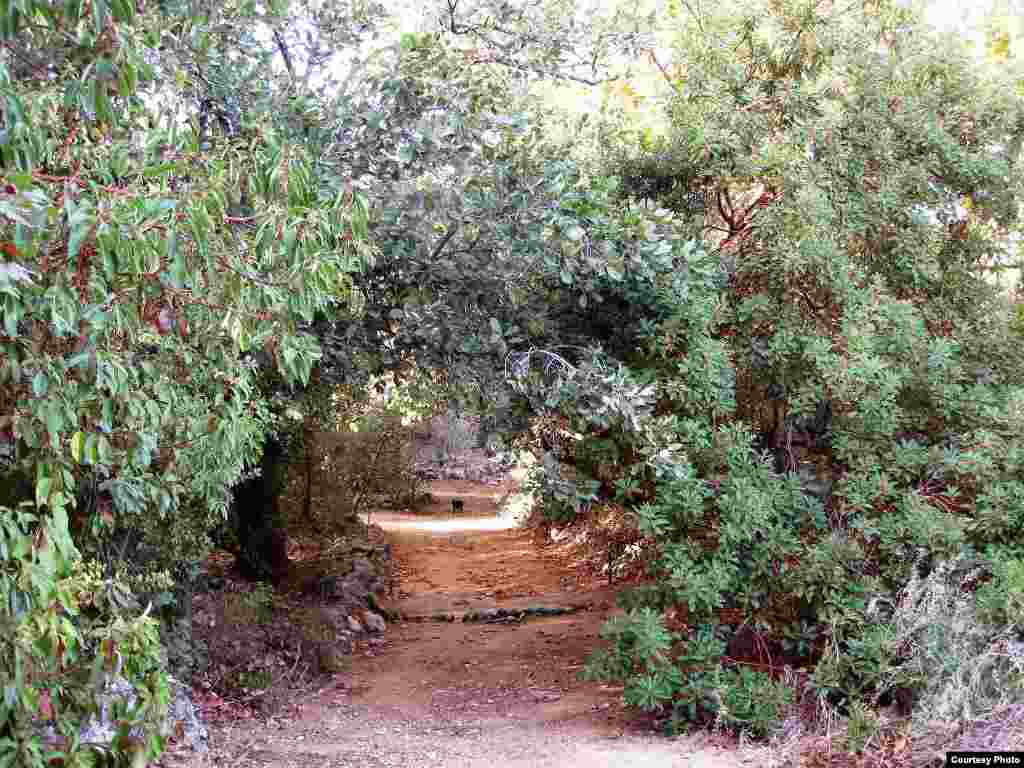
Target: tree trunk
point(262, 529)
point(309, 459)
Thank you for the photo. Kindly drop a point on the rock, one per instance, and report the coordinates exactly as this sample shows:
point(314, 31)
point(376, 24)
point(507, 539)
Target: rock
point(182, 719)
point(353, 591)
point(760, 353)
point(362, 569)
point(101, 729)
point(354, 625)
point(485, 615)
point(374, 622)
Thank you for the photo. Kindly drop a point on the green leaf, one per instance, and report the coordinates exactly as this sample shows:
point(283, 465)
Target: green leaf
point(179, 269)
point(90, 451)
point(100, 15)
point(103, 451)
point(575, 233)
point(43, 490)
point(164, 169)
point(290, 235)
point(40, 384)
point(80, 221)
point(12, 315)
point(108, 414)
point(55, 423)
point(78, 446)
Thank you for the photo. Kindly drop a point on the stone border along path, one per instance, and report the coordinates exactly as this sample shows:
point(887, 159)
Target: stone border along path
point(459, 682)
point(493, 615)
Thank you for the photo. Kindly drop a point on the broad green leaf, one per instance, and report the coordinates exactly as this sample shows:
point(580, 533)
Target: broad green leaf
point(43, 490)
point(55, 423)
point(78, 446)
point(80, 222)
point(40, 384)
point(90, 450)
point(574, 233)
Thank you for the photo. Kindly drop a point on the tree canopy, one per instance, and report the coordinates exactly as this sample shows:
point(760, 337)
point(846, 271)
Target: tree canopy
point(210, 211)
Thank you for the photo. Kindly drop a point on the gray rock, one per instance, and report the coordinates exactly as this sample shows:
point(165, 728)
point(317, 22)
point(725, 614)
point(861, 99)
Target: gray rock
point(374, 622)
point(354, 625)
point(183, 713)
point(101, 730)
point(760, 353)
point(353, 591)
point(344, 638)
point(182, 716)
point(362, 569)
point(1016, 649)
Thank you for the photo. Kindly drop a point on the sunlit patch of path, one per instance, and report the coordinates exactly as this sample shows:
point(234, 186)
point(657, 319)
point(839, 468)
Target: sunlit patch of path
point(392, 521)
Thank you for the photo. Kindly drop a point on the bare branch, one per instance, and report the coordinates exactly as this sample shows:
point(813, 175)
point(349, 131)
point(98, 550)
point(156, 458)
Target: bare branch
point(444, 242)
point(284, 52)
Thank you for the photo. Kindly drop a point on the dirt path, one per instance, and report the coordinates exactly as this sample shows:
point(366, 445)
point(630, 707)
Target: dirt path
point(452, 694)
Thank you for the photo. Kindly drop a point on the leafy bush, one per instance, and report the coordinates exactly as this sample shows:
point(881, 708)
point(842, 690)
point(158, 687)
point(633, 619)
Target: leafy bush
point(683, 678)
point(65, 630)
point(353, 470)
point(821, 406)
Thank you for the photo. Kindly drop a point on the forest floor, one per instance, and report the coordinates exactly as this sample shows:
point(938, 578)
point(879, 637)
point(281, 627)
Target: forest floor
point(448, 693)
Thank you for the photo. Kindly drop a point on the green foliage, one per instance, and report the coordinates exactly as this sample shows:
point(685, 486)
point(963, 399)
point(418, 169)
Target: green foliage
point(255, 606)
point(863, 726)
point(831, 306)
point(804, 390)
point(258, 680)
point(145, 260)
point(153, 272)
point(747, 700)
point(1000, 601)
point(641, 653)
point(354, 469)
point(66, 630)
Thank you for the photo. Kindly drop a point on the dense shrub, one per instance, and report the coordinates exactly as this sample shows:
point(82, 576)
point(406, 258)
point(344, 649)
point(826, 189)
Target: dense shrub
point(65, 632)
point(828, 410)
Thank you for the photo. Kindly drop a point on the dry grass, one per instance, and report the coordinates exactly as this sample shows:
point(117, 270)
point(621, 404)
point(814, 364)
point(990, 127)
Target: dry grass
point(972, 698)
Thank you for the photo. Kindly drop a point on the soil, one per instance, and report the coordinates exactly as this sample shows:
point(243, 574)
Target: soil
point(432, 692)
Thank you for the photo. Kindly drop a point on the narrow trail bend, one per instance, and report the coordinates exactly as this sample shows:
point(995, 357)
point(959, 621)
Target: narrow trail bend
point(449, 694)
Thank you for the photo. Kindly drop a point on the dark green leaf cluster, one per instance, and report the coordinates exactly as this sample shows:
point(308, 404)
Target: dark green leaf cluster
point(836, 384)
